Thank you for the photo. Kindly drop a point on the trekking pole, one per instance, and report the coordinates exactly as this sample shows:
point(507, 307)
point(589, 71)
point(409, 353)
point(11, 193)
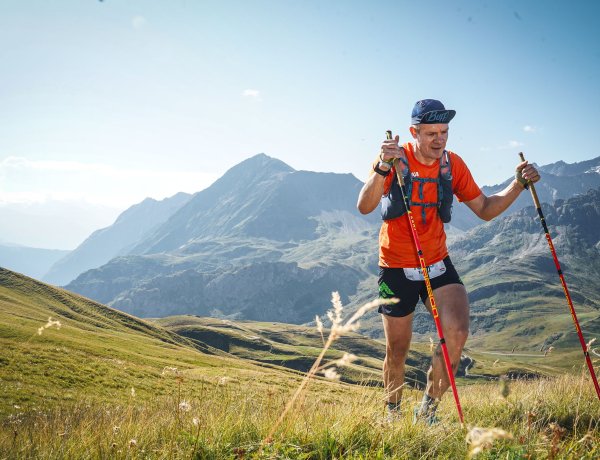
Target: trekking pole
point(434, 310)
point(586, 352)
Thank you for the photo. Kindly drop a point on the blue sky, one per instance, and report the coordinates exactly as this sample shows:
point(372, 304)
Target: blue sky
point(110, 102)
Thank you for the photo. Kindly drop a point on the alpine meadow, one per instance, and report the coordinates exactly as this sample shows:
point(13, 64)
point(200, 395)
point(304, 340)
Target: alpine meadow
point(239, 349)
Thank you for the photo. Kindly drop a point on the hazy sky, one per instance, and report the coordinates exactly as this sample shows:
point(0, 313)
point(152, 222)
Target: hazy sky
point(110, 102)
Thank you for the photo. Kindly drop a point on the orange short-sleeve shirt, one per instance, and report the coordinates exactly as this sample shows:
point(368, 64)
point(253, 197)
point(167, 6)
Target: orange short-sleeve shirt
point(396, 247)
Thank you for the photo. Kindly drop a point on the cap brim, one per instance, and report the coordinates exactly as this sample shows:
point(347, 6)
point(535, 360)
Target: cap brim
point(434, 117)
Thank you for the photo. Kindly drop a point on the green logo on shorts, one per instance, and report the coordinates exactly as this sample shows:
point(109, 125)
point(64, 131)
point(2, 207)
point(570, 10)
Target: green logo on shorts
point(384, 291)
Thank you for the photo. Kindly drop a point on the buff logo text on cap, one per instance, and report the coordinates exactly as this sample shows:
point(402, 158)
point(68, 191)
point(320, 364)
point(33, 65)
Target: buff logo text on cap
point(431, 111)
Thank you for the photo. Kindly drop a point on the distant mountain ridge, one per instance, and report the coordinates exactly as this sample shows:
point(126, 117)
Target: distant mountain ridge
point(560, 180)
point(35, 262)
point(264, 242)
point(227, 251)
point(107, 243)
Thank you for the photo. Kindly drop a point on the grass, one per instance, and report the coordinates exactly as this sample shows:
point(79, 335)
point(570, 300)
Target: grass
point(108, 385)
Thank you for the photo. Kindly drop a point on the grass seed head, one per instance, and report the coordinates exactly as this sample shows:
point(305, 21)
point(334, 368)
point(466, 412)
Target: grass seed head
point(331, 374)
point(481, 439)
point(49, 324)
point(588, 345)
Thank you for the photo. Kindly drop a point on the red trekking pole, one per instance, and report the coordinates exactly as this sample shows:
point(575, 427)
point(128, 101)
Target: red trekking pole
point(586, 352)
point(434, 310)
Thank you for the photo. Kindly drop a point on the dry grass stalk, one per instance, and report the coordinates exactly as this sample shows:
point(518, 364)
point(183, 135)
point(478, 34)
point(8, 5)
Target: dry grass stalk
point(338, 328)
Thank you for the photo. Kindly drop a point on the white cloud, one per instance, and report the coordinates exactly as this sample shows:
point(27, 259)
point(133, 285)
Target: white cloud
point(515, 144)
point(138, 22)
point(252, 93)
point(529, 129)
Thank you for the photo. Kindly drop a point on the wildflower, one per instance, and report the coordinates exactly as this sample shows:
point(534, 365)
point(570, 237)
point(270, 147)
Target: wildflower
point(49, 324)
point(184, 406)
point(132, 443)
point(196, 421)
point(483, 438)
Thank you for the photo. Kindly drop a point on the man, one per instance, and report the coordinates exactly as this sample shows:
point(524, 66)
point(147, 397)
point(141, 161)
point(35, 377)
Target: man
point(432, 176)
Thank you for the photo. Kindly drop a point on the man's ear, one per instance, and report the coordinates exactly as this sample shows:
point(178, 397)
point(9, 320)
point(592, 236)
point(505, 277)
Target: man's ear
point(413, 131)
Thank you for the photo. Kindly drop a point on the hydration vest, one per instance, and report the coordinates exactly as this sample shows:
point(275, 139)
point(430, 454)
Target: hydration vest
point(392, 204)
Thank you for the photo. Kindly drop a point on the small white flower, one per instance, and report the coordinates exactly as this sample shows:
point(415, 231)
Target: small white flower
point(184, 406)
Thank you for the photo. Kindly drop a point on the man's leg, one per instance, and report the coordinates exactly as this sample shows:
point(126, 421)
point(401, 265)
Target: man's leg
point(398, 334)
point(453, 309)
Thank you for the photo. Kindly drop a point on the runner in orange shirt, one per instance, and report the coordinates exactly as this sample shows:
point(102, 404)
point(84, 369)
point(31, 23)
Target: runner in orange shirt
point(432, 176)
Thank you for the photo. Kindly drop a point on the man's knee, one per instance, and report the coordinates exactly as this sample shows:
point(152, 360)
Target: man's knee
point(397, 351)
point(460, 335)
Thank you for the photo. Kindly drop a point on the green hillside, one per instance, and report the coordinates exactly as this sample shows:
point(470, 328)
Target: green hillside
point(98, 352)
point(108, 385)
point(291, 346)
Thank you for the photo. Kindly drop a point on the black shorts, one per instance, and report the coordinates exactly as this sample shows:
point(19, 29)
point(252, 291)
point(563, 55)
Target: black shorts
point(393, 283)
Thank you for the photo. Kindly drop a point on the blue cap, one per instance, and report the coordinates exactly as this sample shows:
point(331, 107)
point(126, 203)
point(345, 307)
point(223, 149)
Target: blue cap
point(430, 111)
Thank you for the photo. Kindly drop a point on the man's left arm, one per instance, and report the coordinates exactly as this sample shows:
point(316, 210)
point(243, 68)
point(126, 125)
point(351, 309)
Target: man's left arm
point(488, 207)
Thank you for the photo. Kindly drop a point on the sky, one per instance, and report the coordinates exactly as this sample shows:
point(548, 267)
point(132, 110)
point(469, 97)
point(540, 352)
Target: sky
point(105, 103)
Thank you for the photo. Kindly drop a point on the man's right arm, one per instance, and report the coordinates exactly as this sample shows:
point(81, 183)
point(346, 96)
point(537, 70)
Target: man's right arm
point(370, 195)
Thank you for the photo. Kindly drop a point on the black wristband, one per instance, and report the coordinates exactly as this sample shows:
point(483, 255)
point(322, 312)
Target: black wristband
point(380, 171)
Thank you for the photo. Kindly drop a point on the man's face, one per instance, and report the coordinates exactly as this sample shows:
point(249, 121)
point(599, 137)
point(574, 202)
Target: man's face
point(430, 139)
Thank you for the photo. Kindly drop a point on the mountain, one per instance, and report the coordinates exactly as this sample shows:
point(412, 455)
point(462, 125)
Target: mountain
point(260, 198)
point(560, 180)
point(101, 246)
point(33, 262)
point(268, 243)
point(513, 286)
point(264, 242)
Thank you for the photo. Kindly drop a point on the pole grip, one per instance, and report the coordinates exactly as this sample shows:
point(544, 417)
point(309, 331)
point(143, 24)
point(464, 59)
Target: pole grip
point(536, 200)
point(388, 135)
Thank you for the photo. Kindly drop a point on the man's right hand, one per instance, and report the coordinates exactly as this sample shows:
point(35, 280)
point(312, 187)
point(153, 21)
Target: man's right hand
point(390, 150)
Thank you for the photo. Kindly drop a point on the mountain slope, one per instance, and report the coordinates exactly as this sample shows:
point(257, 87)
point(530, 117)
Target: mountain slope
point(261, 198)
point(560, 180)
point(102, 354)
point(512, 281)
point(264, 242)
point(107, 243)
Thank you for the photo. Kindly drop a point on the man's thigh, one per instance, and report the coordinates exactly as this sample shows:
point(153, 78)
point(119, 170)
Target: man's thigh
point(453, 306)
